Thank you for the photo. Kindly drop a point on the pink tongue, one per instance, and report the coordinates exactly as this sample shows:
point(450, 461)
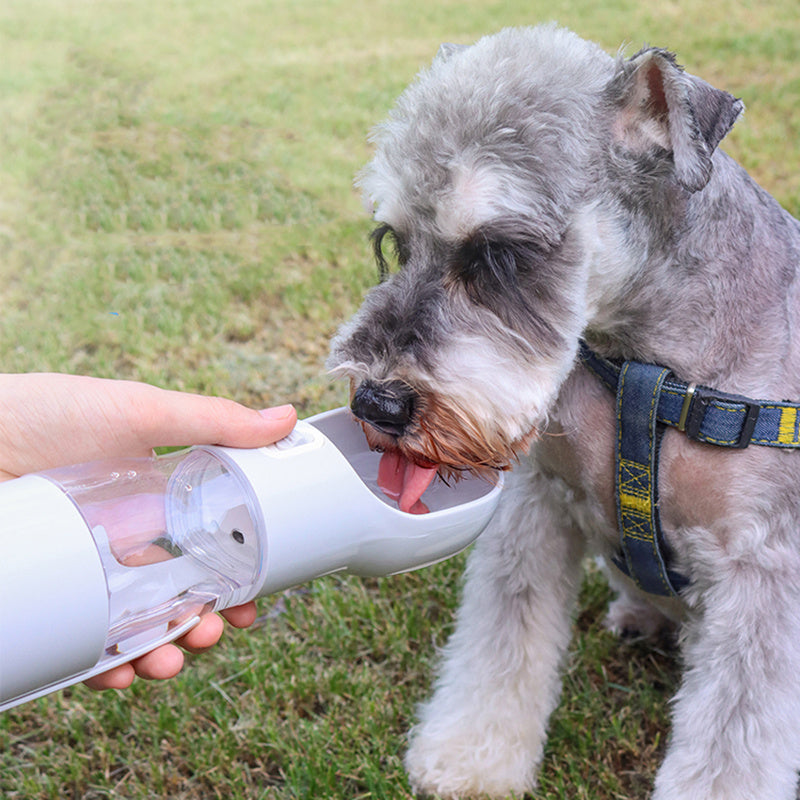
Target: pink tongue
point(404, 481)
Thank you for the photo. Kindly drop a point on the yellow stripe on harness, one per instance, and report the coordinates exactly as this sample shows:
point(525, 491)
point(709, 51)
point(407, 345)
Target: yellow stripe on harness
point(631, 502)
point(787, 426)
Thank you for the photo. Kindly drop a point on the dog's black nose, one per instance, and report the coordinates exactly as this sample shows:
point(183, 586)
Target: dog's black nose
point(388, 407)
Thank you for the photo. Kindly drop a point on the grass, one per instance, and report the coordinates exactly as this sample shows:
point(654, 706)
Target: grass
point(177, 207)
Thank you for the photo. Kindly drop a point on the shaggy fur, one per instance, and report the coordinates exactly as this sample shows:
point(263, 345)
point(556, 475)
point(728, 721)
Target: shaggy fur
point(537, 191)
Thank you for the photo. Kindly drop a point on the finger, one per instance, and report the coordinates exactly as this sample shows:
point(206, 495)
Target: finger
point(195, 419)
point(159, 664)
point(120, 677)
point(205, 634)
point(241, 616)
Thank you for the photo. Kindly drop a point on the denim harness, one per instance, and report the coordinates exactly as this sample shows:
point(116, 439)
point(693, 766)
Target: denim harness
point(649, 398)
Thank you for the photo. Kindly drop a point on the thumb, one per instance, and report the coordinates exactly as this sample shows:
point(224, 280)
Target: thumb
point(186, 419)
point(279, 421)
point(228, 423)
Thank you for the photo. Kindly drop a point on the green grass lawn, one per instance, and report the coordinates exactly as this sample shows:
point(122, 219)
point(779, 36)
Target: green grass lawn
point(176, 206)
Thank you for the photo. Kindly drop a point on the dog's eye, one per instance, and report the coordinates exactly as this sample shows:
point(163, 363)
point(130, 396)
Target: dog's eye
point(482, 261)
point(384, 238)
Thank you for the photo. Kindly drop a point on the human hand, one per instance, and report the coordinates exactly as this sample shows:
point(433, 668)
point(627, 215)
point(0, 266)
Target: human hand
point(50, 420)
point(167, 661)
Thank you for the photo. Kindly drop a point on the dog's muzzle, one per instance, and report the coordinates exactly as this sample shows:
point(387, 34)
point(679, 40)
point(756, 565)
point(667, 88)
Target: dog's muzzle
point(388, 407)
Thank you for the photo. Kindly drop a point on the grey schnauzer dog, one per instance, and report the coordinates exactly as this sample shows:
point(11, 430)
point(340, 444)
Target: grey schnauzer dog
point(538, 192)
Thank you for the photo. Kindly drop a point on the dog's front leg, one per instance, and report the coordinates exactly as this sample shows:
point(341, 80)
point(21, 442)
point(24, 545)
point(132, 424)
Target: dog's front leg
point(736, 719)
point(484, 729)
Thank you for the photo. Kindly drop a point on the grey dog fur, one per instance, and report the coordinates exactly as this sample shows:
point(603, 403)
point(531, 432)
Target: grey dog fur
point(538, 190)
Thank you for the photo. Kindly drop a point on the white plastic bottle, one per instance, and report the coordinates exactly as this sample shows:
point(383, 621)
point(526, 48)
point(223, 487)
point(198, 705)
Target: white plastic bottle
point(102, 562)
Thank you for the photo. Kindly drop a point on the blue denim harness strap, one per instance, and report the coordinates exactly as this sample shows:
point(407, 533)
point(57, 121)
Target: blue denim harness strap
point(649, 398)
point(638, 437)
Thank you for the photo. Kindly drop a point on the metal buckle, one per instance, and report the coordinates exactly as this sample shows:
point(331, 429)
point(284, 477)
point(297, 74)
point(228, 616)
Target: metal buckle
point(700, 398)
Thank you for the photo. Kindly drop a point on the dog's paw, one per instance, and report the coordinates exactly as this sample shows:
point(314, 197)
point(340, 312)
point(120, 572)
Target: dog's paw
point(631, 618)
point(457, 765)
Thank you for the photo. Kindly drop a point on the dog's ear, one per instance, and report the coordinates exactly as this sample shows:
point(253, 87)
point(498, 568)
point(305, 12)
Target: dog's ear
point(447, 50)
point(659, 106)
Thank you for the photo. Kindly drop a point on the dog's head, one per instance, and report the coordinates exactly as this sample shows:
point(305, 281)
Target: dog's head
point(491, 187)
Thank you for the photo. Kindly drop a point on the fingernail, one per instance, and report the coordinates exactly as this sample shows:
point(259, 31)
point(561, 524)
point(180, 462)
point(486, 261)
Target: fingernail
point(278, 413)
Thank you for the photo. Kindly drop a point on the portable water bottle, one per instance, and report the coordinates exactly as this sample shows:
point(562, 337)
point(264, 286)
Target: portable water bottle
point(102, 562)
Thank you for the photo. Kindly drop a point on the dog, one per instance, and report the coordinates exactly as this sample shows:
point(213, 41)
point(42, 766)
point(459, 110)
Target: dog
point(546, 213)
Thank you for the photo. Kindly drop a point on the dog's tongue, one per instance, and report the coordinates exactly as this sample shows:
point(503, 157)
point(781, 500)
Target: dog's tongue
point(404, 481)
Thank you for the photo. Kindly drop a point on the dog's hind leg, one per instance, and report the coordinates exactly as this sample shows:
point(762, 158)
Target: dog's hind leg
point(484, 729)
point(736, 720)
point(631, 615)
